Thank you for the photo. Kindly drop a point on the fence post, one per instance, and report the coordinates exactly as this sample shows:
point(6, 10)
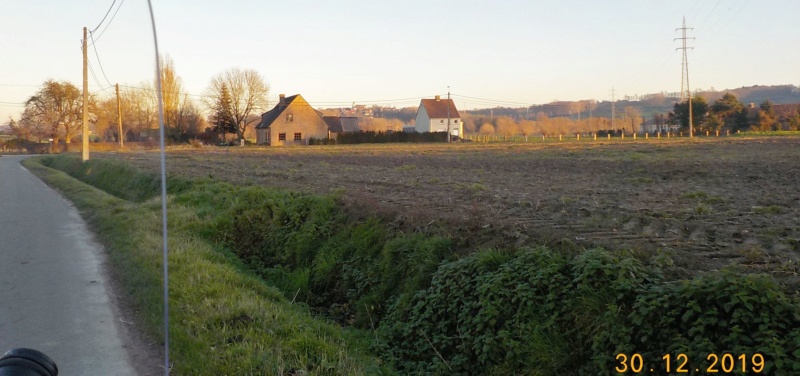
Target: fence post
point(579, 136)
point(609, 136)
point(595, 136)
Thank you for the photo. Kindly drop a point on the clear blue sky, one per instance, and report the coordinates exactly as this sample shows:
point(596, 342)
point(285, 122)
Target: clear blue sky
point(337, 52)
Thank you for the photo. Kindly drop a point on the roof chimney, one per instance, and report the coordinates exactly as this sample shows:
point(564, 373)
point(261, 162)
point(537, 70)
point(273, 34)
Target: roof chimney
point(438, 98)
point(282, 100)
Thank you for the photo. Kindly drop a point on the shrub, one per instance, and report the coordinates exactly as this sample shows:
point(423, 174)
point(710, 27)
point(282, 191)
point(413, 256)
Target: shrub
point(540, 312)
point(713, 314)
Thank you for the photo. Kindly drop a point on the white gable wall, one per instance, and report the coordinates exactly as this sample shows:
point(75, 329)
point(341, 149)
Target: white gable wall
point(423, 122)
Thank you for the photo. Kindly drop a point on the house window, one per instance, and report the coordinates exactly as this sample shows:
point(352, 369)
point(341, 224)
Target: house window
point(289, 118)
point(298, 136)
point(441, 121)
point(281, 136)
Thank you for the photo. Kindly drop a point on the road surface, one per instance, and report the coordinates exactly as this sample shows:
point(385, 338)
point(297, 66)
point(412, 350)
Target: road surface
point(54, 291)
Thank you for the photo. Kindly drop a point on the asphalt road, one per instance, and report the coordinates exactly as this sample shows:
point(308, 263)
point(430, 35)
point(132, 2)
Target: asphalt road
point(54, 292)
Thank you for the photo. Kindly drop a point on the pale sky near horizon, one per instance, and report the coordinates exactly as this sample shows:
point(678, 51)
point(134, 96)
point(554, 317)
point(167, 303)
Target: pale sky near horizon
point(508, 53)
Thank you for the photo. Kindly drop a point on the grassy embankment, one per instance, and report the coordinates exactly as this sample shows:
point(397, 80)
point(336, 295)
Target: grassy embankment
point(426, 309)
point(225, 320)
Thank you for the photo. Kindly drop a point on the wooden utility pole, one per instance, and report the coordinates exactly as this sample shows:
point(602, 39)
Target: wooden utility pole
point(119, 117)
point(85, 152)
point(448, 114)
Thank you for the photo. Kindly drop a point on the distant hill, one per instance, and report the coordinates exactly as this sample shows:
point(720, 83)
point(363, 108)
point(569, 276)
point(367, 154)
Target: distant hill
point(782, 94)
point(647, 105)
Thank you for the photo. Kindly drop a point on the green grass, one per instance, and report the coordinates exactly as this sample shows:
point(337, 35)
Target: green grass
point(224, 319)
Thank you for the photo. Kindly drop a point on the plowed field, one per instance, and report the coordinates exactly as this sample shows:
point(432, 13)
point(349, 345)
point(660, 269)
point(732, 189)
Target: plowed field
point(706, 203)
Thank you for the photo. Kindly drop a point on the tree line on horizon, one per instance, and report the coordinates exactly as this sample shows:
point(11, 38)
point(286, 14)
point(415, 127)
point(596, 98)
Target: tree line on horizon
point(728, 113)
point(234, 98)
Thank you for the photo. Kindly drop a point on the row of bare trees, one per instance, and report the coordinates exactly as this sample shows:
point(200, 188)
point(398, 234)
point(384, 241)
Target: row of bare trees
point(628, 120)
point(55, 110)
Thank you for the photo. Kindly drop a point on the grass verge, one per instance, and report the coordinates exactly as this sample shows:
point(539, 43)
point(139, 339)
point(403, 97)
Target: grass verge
point(225, 321)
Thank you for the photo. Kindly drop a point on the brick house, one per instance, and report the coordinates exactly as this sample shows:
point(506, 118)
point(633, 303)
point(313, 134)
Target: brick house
point(291, 122)
point(434, 114)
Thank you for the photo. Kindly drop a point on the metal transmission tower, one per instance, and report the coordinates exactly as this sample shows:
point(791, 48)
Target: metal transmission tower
point(686, 92)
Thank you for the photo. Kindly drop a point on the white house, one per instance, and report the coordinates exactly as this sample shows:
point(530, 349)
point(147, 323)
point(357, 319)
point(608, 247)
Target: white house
point(433, 115)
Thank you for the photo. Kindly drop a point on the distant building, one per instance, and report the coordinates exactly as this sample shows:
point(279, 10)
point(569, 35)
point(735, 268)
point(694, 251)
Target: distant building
point(341, 124)
point(433, 115)
point(292, 122)
point(653, 126)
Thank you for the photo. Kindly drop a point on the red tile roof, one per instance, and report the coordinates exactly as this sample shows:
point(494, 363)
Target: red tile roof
point(437, 109)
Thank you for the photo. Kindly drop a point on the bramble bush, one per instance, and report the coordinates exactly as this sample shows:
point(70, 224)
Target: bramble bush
point(539, 312)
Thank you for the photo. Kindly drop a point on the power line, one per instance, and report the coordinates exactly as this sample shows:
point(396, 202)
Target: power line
point(709, 14)
point(98, 60)
point(376, 101)
point(155, 91)
point(15, 104)
point(104, 17)
point(15, 85)
point(491, 100)
point(109, 22)
point(103, 88)
point(727, 21)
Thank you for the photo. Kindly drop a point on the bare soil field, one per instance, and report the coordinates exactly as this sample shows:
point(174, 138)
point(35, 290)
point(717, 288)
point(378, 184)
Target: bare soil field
point(706, 203)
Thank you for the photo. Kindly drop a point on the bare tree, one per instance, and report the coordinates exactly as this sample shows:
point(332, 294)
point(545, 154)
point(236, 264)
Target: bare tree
point(633, 117)
point(189, 121)
point(139, 104)
point(59, 106)
point(248, 92)
point(171, 86)
point(105, 122)
point(506, 126)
